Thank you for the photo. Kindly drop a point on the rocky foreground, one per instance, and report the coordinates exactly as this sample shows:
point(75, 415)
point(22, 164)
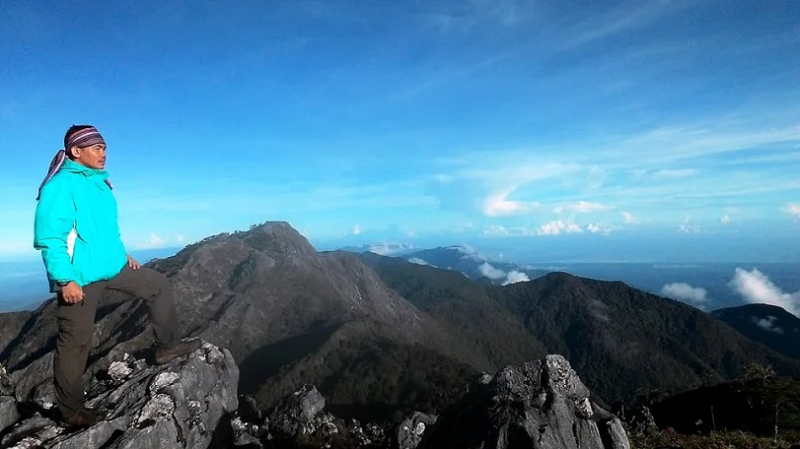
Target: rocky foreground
point(193, 403)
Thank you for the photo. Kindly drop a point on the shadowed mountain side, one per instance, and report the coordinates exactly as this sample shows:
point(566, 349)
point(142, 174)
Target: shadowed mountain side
point(463, 305)
point(770, 325)
point(744, 405)
point(645, 340)
point(622, 340)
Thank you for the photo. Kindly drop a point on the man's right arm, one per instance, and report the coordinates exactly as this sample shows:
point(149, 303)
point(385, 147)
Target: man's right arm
point(55, 218)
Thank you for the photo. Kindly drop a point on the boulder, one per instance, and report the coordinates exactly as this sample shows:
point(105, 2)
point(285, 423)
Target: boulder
point(541, 404)
point(301, 413)
point(410, 431)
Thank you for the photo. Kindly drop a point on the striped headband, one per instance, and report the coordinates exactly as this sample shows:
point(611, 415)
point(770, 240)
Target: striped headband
point(84, 138)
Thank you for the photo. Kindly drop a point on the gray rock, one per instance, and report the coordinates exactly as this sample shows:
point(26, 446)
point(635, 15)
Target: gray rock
point(32, 432)
point(7, 386)
point(298, 413)
point(410, 431)
point(248, 410)
point(8, 412)
point(245, 434)
point(177, 405)
point(539, 404)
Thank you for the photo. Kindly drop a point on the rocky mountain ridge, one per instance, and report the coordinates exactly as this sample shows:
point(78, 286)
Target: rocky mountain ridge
point(288, 314)
point(193, 403)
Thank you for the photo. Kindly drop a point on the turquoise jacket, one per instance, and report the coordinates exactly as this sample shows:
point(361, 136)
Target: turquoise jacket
point(78, 199)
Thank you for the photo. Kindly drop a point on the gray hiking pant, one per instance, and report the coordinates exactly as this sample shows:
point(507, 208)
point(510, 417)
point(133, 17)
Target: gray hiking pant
point(76, 328)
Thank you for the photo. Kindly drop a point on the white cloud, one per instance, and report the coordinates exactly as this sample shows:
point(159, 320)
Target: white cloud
point(598, 228)
point(498, 205)
point(725, 219)
point(685, 292)
point(768, 324)
point(418, 261)
point(356, 230)
point(511, 277)
point(491, 272)
point(581, 207)
point(153, 242)
point(755, 287)
point(464, 249)
point(496, 230)
point(679, 173)
point(629, 218)
point(558, 227)
point(390, 248)
point(688, 228)
point(516, 276)
point(502, 231)
point(793, 209)
point(180, 238)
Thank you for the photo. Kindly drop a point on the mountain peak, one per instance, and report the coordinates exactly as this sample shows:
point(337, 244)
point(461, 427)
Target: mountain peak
point(277, 238)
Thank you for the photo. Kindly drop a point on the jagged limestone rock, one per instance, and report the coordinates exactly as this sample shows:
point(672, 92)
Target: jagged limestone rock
point(410, 431)
point(539, 404)
point(8, 412)
point(177, 405)
point(7, 385)
point(298, 413)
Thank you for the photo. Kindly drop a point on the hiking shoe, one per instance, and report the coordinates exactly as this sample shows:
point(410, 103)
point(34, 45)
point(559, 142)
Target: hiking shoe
point(85, 417)
point(164, 355)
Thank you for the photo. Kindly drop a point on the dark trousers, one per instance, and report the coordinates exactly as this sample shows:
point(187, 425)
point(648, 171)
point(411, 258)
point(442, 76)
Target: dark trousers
point(76, 328)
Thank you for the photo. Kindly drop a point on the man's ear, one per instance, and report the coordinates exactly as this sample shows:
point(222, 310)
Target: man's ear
point(74, 152)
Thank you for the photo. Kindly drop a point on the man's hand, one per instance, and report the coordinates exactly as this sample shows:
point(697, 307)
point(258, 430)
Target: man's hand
point(133, 263)
point(72, 293)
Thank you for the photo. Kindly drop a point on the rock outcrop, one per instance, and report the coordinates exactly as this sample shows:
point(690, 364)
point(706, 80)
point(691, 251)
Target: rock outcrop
point(538, 404)
point(300, 418)
point(182, 404)
point(409, 433)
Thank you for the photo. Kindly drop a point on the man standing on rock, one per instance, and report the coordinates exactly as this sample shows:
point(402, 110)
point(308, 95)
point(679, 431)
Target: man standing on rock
point(77, 232)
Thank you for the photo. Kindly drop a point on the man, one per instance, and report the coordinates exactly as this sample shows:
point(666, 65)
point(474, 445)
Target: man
point(77, 232)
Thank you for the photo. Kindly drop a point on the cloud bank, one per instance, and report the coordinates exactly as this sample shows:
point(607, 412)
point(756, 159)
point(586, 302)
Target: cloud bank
point(559, 227)
point(756, 288)
point(498, 205)
point(494, 273)
point(682, 291)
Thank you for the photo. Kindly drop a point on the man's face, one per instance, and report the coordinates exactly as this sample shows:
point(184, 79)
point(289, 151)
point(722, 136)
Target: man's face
point(93, 156)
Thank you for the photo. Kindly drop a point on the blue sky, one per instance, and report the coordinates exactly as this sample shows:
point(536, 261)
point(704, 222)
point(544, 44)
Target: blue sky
point(563, 130)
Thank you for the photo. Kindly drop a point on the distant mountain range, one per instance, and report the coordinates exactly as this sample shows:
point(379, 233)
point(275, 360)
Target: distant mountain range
point(705, 286)
point(384, 248)
point(379, 334)
point(464, 259)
